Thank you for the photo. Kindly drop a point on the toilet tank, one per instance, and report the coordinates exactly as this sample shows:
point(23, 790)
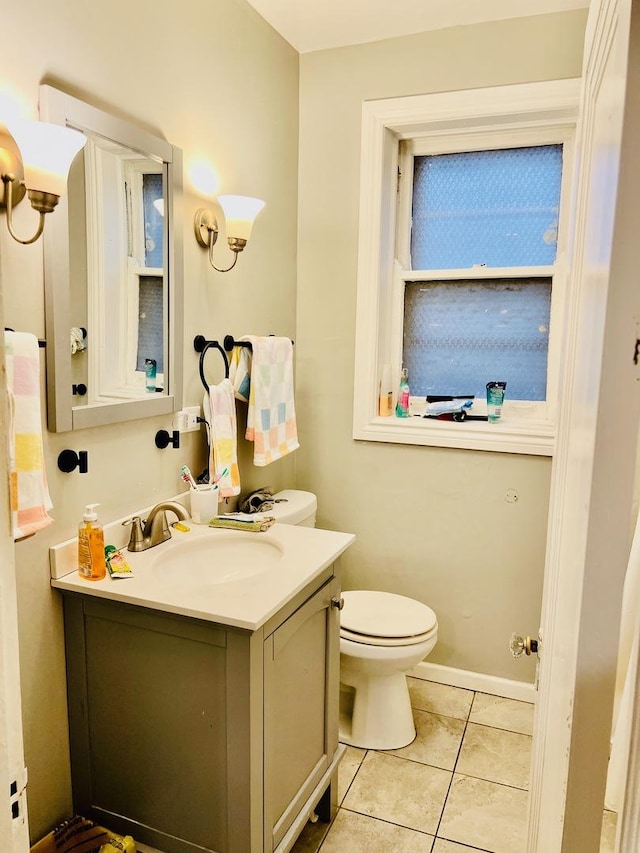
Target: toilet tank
point(295, 507)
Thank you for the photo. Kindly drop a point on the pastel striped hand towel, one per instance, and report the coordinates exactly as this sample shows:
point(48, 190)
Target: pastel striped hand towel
point(223, 438)
point(30, 500)
point(271, 416)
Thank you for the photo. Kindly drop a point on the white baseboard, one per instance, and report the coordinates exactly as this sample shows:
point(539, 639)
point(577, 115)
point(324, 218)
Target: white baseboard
point(492, 684)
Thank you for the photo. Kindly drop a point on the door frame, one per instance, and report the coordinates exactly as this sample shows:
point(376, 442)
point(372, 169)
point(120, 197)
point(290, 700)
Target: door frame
point(14, 832)
point(594, 466)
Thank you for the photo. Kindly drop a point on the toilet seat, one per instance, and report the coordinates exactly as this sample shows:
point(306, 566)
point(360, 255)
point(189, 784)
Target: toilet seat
point(385, 619)
point(367, 640)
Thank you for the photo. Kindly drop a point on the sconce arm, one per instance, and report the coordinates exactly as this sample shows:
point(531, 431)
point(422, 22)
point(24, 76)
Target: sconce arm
point(8, 180)
point(226, 269)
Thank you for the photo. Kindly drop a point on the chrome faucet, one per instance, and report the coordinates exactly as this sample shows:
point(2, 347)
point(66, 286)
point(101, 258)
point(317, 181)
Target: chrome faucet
point(156, 528)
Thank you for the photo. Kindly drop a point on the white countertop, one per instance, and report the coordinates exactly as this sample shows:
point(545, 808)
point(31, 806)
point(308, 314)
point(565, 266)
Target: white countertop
point(301, 554)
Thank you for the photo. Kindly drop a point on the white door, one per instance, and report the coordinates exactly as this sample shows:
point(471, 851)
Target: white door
point(14, 830)
point(592, 481)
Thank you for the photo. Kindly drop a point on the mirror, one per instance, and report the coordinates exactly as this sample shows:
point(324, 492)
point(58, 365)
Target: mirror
point(113, 274)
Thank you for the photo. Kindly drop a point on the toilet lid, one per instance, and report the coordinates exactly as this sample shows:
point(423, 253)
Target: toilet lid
point(385, 614)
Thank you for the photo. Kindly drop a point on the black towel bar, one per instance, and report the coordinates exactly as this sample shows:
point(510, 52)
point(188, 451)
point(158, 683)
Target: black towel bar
point(230, 342)
point(42, 344)
point(201, 345)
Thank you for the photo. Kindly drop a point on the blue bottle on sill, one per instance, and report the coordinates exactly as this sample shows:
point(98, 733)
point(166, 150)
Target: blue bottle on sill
point(150, 374)
point(402, 405)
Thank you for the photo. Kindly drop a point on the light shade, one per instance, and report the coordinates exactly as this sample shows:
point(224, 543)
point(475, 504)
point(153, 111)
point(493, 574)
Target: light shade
point(47, 152)
point(240, 212)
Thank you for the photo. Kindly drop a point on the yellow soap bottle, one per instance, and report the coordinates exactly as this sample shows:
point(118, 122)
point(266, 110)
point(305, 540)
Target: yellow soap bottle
point(91, 561)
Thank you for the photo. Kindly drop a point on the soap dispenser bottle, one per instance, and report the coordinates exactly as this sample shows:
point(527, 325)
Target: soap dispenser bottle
point(91, 562)
point(402, 405)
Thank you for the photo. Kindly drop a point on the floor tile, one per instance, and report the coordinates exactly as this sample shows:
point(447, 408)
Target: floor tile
point(440, 698)
point(442, 846)
point(485, 815)
point(401, 791)
point(608, 837)
point(502, 713)
point(348, 768)
point(495, 755)
point(355, 833)
point(437, 740)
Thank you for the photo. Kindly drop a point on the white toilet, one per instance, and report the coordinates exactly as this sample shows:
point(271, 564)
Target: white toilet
point(382, 637)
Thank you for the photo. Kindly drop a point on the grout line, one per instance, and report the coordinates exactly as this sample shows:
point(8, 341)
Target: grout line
point(455, 764)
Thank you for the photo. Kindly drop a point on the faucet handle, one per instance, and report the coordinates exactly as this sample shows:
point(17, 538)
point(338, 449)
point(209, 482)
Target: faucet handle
point(136, 540)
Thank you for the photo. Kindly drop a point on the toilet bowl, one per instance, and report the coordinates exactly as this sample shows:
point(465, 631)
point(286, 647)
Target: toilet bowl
point(382, 637)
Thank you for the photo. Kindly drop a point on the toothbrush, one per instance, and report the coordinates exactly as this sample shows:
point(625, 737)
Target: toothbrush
point(187, 476)
point(220, 476)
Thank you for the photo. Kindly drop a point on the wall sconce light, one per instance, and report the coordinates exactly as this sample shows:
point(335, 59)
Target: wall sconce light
point(35, 158)
point(240, 212)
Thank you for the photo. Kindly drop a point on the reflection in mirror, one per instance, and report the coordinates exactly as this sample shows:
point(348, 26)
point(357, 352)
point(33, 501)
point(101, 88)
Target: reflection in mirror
point(113, 275)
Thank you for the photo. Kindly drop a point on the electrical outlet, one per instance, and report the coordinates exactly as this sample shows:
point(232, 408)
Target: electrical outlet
point(191, 415)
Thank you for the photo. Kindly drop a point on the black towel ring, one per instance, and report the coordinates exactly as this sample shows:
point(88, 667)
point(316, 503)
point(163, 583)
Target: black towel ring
point(202, 345)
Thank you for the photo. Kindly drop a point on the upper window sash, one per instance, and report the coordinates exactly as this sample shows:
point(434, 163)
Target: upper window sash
point(464, 143)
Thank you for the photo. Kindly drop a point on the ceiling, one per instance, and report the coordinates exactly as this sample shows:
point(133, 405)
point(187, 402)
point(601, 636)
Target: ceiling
point(318, 24)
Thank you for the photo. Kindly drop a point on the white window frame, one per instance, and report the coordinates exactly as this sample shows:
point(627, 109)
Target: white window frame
point(134, 171)
point(499, 117)
point(113, 279)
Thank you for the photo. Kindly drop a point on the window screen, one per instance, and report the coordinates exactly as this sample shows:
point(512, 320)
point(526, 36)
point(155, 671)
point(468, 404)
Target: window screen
point(459, 335)
point(150, 321)
point(497, 208)
point(152, 190)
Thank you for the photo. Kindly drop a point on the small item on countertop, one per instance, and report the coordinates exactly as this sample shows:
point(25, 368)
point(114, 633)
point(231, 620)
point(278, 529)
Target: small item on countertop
point(187, 476)
point(258, 525)
point(260, 500)
point(402, 405)
point(117, 563)
point(150, 374)
point(218, 477)
point(75, 833)
point(91, 562)
point(495, 399)
point(181, 526)
point(447, 406)
point(119, 844)
point(385, 398)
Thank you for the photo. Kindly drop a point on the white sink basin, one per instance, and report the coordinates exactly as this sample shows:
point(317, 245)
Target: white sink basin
point(220, 558)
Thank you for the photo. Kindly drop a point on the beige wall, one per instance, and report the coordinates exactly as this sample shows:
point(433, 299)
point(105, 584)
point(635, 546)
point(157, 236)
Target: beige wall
point(215, 80)
point(431, 523)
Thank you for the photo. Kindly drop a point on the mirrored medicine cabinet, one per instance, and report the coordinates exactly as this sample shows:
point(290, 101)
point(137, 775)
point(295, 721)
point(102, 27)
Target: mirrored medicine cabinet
point(113, 274)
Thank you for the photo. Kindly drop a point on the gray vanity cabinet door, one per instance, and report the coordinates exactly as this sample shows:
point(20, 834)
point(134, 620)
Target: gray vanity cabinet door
point(148, 724)
point(301, 684)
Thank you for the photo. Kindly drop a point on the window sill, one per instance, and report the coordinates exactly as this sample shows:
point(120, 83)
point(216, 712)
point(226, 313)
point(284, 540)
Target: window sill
point(536, 438)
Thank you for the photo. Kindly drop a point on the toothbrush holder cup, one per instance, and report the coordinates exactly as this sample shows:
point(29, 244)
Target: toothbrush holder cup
point(204, 503)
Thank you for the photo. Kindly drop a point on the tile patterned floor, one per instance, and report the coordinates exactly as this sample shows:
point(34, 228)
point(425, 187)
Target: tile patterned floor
point(461, 786)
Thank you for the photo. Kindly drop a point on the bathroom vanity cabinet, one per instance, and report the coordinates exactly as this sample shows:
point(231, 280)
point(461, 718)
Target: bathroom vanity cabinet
point(192, 735)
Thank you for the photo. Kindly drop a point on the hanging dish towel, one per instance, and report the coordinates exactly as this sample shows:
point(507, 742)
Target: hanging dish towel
point(271, 416)
point(220, 412)
point(30, 499)
point(240, 372)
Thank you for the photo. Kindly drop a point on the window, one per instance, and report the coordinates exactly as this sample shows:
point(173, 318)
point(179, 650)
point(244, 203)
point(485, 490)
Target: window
point(127, 296)
point(462, 260)
point(143, 187)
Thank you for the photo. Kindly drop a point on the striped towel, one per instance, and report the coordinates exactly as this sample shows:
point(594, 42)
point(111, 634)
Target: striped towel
point(240, 372)
point(30, 499)
point(271, 416)
point(220, 412)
